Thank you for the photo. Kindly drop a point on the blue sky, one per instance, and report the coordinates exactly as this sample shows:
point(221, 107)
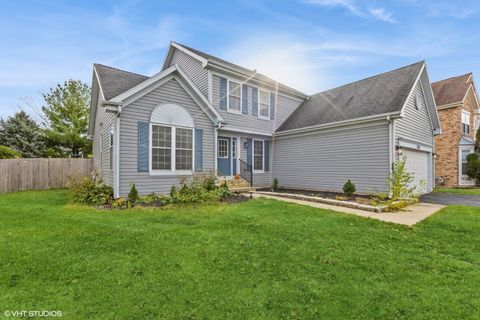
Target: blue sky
point(312, 45)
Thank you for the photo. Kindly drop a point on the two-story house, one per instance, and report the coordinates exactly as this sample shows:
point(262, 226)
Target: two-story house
point(204, 114)
point(458, 107)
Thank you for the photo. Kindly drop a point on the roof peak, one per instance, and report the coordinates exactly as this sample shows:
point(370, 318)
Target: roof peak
point(454, 77)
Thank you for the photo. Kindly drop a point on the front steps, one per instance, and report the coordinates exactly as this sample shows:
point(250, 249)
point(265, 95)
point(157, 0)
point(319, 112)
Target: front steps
point(236, 185)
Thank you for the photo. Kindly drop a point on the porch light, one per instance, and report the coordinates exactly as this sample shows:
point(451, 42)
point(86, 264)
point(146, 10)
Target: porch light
point(435, 156)
point(245, 145)
point(399, 150)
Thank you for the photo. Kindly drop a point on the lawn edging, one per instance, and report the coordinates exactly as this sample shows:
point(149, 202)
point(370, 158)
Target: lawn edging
point(340, 203)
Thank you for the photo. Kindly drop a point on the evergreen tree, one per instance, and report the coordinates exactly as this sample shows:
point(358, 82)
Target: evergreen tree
point(21, 133)
point(67, 110)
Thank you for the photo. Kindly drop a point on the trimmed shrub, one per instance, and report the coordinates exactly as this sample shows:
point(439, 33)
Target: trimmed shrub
point(8, 153)
point(91, 192)
point(473, 166)
point(133, 194)
point(275, 184)
point(349, 188)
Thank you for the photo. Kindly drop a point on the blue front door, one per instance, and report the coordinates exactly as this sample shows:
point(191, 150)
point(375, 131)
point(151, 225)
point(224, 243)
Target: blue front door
point(224, 156)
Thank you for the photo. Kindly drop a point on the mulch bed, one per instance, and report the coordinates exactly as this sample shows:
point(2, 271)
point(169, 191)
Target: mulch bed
point(361, 199)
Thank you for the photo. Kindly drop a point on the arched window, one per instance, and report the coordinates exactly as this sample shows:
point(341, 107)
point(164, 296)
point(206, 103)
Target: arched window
point(171, 131)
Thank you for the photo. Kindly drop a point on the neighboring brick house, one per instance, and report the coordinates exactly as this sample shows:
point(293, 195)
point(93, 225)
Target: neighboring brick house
point(458, 107)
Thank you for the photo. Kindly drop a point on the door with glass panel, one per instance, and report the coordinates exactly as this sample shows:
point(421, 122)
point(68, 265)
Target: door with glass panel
point(224, 156)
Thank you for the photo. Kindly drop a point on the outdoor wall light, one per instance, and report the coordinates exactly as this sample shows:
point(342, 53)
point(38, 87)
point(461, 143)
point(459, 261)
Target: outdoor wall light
point(399, 150)
point(435, 156)
point(245, 145)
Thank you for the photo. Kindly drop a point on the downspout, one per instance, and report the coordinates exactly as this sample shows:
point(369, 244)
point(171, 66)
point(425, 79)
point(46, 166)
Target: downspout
point(391, 149)
point(215, 143)
point(116, 179)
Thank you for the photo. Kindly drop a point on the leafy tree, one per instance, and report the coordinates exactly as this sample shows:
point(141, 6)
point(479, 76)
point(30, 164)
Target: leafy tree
point(66, 111)
point(477, 143)
point(8, 153)
point(21, 133)
point(473, 166)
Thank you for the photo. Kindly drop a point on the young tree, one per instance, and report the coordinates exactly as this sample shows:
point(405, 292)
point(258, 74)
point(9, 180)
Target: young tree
point(21, 133)
point(473, 167)
point(66, 110)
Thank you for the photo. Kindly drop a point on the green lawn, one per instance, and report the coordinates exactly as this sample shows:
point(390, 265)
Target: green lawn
point(458, 190)
point(260, 259)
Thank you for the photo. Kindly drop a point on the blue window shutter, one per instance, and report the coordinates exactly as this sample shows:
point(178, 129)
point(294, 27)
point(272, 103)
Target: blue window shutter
point(272, 105)
point(142, 155)
point(223, 93)
point(249, 151)
point(244, 99)
point(198, 150)
point(255, 101)
point(266, 158)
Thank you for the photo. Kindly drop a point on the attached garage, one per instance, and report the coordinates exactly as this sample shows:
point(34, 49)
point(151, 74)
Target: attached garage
point(418, 163)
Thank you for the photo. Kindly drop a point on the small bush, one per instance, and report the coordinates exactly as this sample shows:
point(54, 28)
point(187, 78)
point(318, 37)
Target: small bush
point(8, 153)
point(224, 190)
point(133, 194)
point(91, 192)
point(275, 184)
point(173, 191)
point(349, 188)
point(209, 182)
point(473, 166)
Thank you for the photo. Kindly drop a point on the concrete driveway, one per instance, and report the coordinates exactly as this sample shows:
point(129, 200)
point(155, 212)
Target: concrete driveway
point(450, 198)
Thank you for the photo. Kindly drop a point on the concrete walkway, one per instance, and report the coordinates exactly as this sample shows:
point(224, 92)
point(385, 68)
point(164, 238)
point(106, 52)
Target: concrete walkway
point(413, 215)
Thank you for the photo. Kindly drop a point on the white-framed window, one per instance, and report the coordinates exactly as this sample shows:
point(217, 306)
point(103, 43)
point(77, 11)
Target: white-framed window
point(465, 122)
point(112, 131)
point(183, 149)
point(465, 153)
point(234, 148)
point(234, 97)
point(223, 148)
point(171, 149)
point(263, 104)
point(161, 147)
point(258, 155)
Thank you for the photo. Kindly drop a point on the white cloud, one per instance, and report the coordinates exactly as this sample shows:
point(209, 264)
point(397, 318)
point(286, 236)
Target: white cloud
point(357, 9)
point(382, 14)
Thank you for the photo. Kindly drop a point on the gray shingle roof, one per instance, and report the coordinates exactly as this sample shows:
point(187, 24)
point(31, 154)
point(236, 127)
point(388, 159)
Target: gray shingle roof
point(236, 67)
point(380, 94)
point(115, 81)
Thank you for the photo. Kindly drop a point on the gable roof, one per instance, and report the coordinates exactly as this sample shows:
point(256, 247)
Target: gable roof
point(382, 94)
point(114, 81)
point(451, 90)
point(208, 59)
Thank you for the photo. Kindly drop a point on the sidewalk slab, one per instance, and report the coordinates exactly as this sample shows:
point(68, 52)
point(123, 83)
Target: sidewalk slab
point(411, 216)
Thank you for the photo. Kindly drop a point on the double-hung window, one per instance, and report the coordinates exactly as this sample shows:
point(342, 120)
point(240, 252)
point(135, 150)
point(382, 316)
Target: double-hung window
point(161, 148)
point(465, 122)
point(258, 154)
point(183, 148)
point(264, 104)
point(234, 96)
point(172, 148)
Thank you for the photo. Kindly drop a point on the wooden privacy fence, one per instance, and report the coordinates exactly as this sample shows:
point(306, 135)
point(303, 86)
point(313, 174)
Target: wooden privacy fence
point(38, 174)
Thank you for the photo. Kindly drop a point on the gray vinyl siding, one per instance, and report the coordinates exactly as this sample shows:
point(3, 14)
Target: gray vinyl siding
point(194, 70)
point(140, 110)
point(285, 106)
point(102, 166)
point(415, 126)
point(326, 159)
point(259, 179)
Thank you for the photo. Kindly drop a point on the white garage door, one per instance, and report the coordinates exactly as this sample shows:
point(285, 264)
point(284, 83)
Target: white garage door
point(417, 163)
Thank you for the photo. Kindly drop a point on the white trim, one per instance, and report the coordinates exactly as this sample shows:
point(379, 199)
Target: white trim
point(415, 146)
point(253, 156)
point(228, 151)
point(172, 171)
point(412, 91)
point(461, 180)
point(437, 131)
point(190, 53)
point(233, 129)
point(469, 115)
point(159, 79)
point(116, 167)
point(239, 148)
point(268, 105)
point(215, 144)
point(391, 144)
point(239, 111)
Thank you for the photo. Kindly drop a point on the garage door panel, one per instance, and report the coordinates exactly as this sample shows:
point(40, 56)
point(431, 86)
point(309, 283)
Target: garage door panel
point(417, 163)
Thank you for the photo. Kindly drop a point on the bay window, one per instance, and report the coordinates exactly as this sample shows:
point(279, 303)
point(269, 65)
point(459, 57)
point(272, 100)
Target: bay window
point(258, 154)
point(234, 96)
point(264, 104)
